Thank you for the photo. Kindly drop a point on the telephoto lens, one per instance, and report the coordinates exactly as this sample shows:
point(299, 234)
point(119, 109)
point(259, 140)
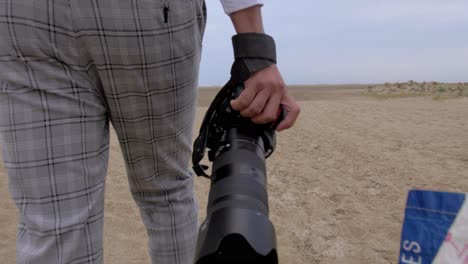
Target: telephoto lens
point(237, 228)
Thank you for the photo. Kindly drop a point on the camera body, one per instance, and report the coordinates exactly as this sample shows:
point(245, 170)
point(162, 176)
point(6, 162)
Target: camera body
point(237, 228)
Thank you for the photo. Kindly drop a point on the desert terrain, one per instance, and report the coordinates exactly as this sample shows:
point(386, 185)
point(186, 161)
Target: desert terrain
point(337, 182)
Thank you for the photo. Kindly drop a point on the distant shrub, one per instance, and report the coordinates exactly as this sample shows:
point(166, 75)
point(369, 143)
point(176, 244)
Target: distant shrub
point(411, 82)
point(387, 84)
point(460, 90)
point(434, 83)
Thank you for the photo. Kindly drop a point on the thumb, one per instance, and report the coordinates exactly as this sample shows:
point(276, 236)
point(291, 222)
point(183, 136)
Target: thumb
point(245, 98)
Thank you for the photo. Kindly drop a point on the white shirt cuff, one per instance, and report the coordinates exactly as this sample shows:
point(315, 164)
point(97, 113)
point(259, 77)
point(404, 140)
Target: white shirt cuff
point(231, 6)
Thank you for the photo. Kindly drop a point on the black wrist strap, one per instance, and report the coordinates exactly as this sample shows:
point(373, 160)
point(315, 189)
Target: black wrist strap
point(252, 52)
point(254, 46)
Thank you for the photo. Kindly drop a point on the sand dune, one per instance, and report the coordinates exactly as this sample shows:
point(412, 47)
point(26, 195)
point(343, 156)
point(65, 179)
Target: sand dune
point(337, 182)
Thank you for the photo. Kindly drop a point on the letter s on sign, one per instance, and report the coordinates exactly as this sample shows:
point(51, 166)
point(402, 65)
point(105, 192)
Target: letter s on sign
point(408, 246)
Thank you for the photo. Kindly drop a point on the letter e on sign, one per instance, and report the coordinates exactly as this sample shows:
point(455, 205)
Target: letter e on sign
point(410, 260)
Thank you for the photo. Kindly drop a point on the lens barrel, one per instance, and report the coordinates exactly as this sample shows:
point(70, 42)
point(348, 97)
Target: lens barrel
point(237, 228)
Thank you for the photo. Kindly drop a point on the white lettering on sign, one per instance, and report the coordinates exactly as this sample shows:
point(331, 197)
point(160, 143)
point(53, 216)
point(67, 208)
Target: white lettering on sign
point(410, 260)
point(414, 248)
point(409, 245)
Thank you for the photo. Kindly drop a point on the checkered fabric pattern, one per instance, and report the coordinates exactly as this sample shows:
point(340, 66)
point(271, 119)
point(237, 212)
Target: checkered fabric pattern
point(67, 67)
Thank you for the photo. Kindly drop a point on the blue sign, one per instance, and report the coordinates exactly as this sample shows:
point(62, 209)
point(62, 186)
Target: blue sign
point(435, 228)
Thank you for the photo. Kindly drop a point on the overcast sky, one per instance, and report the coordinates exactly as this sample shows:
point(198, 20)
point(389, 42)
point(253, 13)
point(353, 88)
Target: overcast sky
point(358, 41)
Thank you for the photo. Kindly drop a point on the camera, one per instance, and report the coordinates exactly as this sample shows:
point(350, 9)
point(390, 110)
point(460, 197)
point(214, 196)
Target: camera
point(237, 228)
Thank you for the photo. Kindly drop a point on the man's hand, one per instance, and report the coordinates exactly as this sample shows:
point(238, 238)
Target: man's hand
point(264, 91)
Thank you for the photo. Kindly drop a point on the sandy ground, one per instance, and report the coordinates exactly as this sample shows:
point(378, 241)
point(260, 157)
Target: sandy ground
point(337, 183)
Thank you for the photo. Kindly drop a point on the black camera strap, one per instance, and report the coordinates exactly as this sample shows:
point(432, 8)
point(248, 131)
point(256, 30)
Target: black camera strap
point(252, 52)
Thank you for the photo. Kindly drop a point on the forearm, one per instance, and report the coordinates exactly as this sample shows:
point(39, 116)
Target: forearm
point(248, 20)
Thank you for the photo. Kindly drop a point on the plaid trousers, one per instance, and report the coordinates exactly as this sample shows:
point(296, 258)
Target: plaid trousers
point(67, 68)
